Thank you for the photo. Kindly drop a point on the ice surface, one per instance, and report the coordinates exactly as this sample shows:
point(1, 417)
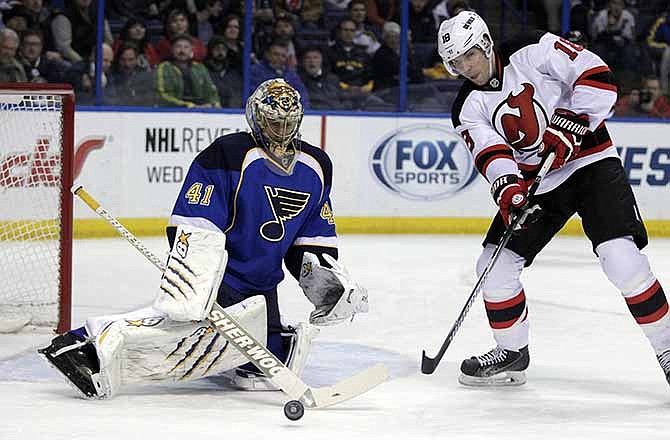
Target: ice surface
point(592, 373)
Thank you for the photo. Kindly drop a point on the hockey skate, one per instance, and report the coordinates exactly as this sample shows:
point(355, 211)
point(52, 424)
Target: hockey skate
point(296, 341)
point(498, 367)
point(76, 360)
point(664, 361)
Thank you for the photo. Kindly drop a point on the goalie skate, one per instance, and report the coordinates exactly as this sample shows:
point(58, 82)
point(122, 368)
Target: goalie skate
point(77, 361)
point(498, 367)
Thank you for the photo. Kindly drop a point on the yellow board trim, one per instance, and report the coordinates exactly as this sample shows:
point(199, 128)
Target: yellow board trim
point(98, 228)
point(456, 225)
point(95, 228)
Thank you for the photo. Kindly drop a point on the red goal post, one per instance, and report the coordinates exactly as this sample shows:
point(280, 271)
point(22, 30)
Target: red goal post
point(36, 174)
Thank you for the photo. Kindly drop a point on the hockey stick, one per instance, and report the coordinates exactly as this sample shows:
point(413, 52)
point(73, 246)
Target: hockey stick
point(428, 364)
point(256, 352)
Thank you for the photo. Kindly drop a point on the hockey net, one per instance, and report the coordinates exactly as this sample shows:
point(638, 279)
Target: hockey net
point(36, 161)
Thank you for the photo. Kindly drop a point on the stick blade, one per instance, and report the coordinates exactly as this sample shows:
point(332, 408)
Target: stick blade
point(348, 388)
point(428, 364)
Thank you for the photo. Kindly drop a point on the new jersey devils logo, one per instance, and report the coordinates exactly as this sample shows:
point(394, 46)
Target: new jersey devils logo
point(521, 120)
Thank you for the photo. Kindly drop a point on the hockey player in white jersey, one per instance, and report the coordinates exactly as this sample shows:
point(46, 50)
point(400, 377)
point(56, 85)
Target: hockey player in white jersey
point(521, 100)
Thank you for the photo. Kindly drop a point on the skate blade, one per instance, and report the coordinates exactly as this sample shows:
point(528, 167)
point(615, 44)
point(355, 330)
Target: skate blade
point(504, 379)
point(83, 394)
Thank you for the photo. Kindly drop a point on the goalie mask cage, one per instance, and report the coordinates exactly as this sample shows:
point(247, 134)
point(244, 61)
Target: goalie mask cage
point(36, 167)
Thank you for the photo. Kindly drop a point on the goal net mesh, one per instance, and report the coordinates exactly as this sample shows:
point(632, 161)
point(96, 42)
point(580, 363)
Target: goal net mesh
point(31, 141)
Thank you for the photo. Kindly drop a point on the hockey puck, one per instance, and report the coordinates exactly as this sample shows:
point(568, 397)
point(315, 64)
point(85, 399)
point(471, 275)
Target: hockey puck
point(294, 410)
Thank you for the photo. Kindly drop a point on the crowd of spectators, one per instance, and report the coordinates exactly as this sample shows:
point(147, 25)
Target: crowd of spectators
point(630, 36)
point(340, 54)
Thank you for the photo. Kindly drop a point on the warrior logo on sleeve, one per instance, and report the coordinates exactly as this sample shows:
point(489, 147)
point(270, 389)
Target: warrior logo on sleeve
point(521, 120)
point(286, 204)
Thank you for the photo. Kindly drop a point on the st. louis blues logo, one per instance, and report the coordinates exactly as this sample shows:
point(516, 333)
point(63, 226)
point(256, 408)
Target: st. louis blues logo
point(285, 204)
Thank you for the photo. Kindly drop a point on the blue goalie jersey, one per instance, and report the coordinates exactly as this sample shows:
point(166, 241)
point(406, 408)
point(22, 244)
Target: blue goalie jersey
point(229, 188)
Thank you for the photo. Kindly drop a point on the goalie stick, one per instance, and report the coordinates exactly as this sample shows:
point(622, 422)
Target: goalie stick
point(429, 364)
point(280, 375)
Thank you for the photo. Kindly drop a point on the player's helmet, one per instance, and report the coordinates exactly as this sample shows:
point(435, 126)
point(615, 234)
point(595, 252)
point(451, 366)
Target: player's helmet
point(274, 114)
point(459, 34)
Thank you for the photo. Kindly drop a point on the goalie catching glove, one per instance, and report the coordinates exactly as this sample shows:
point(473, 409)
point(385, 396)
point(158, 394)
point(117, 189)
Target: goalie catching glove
point(332, 291)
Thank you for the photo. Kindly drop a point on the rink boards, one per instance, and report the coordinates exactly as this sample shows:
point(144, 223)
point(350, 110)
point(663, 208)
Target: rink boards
point(391, 174)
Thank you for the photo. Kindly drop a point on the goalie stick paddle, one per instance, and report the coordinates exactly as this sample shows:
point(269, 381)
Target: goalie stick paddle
point(429, 364)
point(280, 375)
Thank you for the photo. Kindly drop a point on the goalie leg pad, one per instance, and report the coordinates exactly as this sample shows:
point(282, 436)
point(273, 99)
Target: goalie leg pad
point(336, 296)
point(170, 351)
point(299, 341)
point(193, 273)
point(146, 346)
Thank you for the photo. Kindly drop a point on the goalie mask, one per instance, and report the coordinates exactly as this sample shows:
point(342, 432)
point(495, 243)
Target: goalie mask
point(458, 35)
point(274, 114)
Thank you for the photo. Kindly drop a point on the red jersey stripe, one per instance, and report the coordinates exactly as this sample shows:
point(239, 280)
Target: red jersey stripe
point(596, 84)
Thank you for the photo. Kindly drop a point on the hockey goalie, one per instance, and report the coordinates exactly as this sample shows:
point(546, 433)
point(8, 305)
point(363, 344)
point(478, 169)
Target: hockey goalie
point(250, 202)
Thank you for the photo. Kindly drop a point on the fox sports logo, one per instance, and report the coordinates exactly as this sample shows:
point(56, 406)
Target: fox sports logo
point(423, 162)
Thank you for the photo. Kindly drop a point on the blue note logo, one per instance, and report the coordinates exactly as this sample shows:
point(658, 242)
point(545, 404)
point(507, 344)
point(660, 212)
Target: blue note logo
point(285, 204)
point(423, 162)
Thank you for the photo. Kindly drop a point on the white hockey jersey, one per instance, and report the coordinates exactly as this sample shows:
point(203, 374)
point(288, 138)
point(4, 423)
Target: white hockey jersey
point(503, 121)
